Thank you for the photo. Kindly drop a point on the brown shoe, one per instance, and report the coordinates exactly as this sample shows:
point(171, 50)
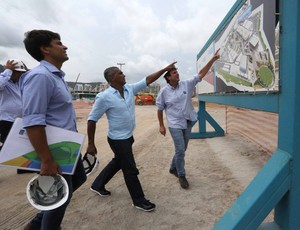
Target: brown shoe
point(183, 182)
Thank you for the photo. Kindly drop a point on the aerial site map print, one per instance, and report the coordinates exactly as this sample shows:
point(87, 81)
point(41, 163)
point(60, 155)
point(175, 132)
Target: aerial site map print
point(248, 52)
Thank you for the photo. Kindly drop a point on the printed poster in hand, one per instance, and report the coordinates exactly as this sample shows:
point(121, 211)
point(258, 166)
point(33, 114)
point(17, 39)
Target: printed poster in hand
point(65, 146)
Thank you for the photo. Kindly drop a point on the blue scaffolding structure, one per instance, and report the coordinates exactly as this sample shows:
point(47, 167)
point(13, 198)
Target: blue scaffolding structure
point(277, 185)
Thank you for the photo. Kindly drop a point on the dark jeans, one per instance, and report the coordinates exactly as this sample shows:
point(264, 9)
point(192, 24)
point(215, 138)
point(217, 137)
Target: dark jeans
point(123, 160)
point(51, 220)
point(5, 127)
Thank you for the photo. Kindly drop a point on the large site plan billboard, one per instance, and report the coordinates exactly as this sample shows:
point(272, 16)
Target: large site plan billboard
point(248, 51)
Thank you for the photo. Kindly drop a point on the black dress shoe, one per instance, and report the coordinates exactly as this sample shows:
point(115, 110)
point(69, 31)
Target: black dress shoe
point(146, 206)
point(101, 192)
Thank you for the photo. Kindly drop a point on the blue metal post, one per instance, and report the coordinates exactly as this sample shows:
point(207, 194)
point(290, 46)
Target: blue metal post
point(287, 212)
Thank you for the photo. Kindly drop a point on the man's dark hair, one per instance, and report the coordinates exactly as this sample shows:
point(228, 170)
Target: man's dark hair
point(109, 73)
point(168, 74)
point(35, 39)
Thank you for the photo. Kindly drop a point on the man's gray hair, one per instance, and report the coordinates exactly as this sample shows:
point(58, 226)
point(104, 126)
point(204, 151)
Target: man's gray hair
point(109, 73)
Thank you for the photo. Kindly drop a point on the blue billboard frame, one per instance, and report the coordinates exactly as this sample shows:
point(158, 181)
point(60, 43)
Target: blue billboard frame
point(264, 101)
point(277, 185)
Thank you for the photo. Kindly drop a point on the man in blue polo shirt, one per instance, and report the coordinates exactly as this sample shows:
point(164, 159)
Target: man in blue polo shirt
point(176, 99)
point(117, 102)
point(47, 101)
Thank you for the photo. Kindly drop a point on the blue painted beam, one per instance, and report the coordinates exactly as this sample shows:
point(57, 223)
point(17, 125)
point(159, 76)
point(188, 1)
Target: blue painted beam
point(288, 210)
point(203, 117)
point(198, 135)
point(261, 196)
point(259, 101)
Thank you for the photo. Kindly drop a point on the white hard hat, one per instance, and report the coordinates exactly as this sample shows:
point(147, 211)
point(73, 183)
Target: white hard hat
point(47, 192)
point(90, 163)
point(20, 66)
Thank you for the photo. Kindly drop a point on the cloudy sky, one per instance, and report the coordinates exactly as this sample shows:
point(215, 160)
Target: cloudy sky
point(146, 35)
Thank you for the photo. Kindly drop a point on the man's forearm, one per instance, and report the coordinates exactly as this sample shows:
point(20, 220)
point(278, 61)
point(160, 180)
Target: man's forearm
point(160, 117)
point(153, 77)
point(91, 129)
point(206, 68)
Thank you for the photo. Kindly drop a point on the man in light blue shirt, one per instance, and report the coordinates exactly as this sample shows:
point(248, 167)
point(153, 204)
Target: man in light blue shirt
point(176, 99)
point(117, 102)
point(10, 96)
point(47, 101)
point(118, 129)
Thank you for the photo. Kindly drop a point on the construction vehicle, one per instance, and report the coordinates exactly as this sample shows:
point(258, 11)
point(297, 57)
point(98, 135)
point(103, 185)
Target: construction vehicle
point(145, 99)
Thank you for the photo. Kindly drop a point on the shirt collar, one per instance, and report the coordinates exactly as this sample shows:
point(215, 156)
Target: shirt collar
point(113, 90)
point(171, 87)
point(52, 69)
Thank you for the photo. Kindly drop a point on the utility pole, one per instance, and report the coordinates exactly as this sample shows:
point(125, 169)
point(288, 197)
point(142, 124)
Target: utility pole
point(120, 64)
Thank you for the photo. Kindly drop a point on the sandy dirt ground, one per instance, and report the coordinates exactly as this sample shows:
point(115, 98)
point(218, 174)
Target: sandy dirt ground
point(218, 170)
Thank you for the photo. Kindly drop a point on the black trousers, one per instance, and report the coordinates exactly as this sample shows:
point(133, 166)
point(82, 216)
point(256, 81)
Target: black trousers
point(5, 127)
point(124, 160)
